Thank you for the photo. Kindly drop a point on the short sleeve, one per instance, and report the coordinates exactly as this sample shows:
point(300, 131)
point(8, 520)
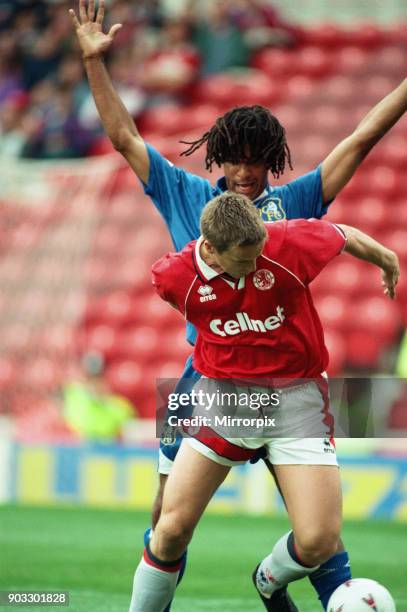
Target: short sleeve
point(310, 245)
point(160, 277)
point(305, 196)
point(164, 281)
point(178, 195)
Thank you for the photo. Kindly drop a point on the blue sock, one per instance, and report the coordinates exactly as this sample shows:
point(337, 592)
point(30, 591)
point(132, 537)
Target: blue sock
point(147, 536)
point(330, 575)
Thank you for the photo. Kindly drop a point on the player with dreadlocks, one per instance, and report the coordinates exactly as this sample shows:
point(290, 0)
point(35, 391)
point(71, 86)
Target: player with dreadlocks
point(248, 143)
point(249, 133)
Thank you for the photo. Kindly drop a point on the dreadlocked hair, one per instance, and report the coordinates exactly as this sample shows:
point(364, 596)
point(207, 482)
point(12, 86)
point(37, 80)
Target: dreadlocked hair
point(246, 133)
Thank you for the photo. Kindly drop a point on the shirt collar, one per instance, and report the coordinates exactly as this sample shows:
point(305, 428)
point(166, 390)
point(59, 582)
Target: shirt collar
point(206, 271)
point(265, 193)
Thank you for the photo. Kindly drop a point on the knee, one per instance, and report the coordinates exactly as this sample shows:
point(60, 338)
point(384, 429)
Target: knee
point(174, 531)
point(315, 546)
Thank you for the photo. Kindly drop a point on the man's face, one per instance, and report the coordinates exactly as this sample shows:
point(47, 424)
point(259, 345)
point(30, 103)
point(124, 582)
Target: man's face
point(238, 261)
point(249, 179)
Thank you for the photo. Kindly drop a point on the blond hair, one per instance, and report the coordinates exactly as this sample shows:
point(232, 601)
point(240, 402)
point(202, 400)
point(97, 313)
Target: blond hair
point(231, 219)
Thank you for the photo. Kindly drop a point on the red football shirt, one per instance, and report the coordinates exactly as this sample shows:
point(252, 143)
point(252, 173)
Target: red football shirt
point(264, 324)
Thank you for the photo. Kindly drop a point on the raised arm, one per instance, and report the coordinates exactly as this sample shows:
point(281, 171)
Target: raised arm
point(364, 247)
point(115, 118)
point(340, 165)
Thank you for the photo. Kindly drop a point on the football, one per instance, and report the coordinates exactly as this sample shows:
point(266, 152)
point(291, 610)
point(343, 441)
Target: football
point(361, 595)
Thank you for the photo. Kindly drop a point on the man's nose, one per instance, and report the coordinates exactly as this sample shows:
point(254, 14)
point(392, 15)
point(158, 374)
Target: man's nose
point(243, 171)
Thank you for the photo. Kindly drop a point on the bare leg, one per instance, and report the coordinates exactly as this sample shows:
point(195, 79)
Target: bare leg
point(313, 497)
point(193, 480)
point(341, 546)
point(157, 504)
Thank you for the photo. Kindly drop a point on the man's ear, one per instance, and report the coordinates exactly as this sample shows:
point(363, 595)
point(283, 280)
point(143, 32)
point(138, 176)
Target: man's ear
point(209, 247)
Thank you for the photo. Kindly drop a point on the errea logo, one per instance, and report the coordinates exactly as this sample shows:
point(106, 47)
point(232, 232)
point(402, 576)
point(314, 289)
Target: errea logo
point(205, 291)
point(328, 446)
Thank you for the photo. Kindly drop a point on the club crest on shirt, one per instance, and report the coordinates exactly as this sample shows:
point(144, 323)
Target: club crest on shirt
point(272, 210)
point(263, 279)
point(169, 435)
point(206, 293)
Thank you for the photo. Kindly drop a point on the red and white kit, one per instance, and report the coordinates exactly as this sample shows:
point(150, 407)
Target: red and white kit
point(263, 325)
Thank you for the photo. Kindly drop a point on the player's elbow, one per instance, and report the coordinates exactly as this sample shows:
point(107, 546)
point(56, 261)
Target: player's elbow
point(122, 140)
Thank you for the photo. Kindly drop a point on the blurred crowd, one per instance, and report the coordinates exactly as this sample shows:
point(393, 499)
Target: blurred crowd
point(162, 50)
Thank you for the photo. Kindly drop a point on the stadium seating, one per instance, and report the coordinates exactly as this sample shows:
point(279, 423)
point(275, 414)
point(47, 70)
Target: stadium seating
point(101, 337)
point(115, 309)
point(140, 343)
point(397, 239)
point(336, 346)
point(351, 60)
point(236, 88)
point(326, 36)
point(125, 377)
point(8, 373)
point(169, 120)
point(42, 373)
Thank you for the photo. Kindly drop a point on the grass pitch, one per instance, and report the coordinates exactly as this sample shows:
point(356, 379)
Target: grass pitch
point(93, 554)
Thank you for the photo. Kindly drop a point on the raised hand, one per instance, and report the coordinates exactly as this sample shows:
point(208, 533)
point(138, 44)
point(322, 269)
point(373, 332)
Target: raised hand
point(92, 40)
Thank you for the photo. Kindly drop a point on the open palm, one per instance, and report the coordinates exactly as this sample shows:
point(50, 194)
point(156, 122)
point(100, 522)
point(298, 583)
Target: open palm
point(92, 40)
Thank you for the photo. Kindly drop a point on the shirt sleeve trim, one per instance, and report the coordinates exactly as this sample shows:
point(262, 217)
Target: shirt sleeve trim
point(342, 233)
point(286, 269)
point(187, 296)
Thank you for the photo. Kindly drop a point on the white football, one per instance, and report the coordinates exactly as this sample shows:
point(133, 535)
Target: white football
point(361, 595)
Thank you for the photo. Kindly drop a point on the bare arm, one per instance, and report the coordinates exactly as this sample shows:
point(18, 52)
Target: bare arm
point(340, 165)
point(364, 247)
point(115, 118)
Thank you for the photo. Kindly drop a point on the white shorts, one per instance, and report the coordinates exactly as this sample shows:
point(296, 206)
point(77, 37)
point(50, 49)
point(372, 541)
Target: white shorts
point(281, 451)
point(164, 463)
point(302, 414)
